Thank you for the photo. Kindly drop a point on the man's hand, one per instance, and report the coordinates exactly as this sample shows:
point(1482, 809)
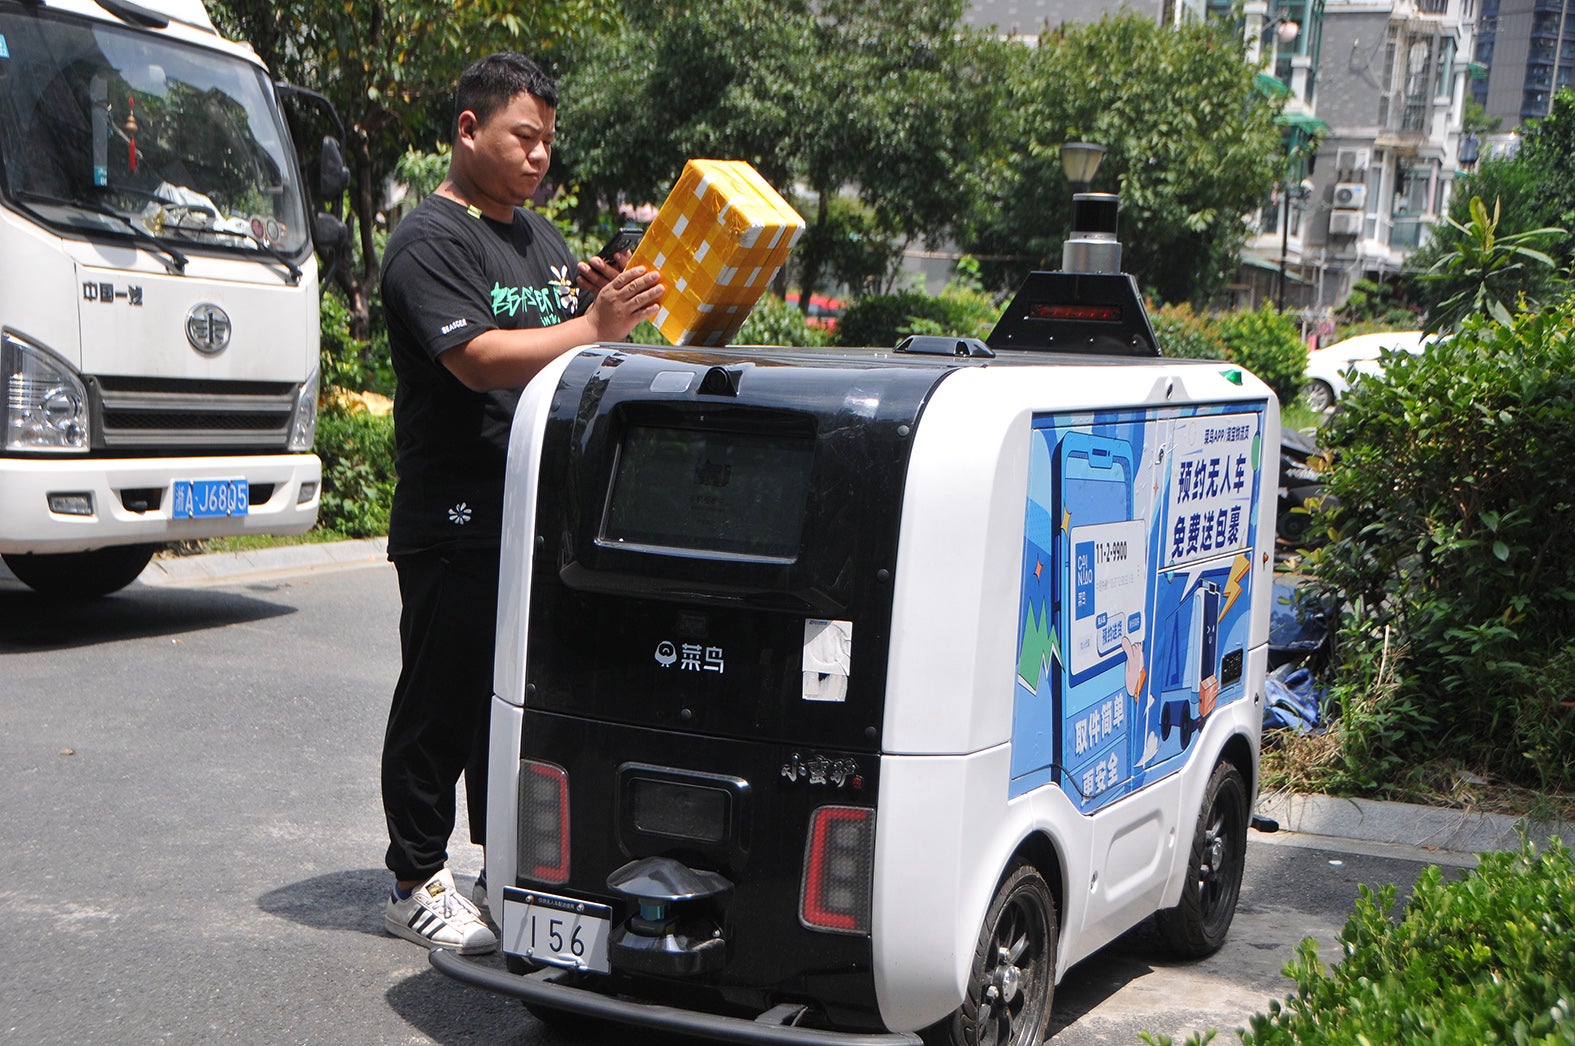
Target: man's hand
point(596, 273)
point(624, 301)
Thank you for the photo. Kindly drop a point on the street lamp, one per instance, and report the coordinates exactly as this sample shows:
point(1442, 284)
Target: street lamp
point(1081, 160)
point(1283, 30)
point(1287, 193)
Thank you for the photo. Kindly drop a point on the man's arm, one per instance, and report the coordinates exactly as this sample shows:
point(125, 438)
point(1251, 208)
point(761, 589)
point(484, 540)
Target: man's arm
point(508, 359)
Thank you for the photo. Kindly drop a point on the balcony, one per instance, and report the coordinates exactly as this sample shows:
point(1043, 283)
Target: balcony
point(1405, 232)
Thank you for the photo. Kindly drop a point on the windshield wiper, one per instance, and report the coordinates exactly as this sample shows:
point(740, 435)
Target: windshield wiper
point(266, 248)
point(177, 260)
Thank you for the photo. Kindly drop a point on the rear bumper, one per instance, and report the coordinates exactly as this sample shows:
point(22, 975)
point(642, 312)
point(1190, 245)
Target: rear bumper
point(541, 988)
point(119, 485)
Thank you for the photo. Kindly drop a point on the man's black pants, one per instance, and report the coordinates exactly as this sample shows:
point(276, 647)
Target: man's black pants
point(437, 725)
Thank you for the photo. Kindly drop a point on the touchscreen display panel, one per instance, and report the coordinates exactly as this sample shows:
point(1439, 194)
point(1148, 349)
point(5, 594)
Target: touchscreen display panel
point(703, 490)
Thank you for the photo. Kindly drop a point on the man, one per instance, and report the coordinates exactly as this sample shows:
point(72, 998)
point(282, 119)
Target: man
point(479, 295)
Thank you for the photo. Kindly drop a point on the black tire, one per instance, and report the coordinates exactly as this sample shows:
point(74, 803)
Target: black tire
point(1319, 395)
point(80, 575)
point(1011, 986)
point(1197, 926)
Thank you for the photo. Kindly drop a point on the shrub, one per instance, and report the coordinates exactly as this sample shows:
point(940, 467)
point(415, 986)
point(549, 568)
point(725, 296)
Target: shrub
point(876, 319)
point(1183, 333)
point(357, 448)
point(1268, 343)
point(1372, 307)
point(771, 322)
point(1451, 486)
point(1488, 957)
point(882, 320)
point(774, 322)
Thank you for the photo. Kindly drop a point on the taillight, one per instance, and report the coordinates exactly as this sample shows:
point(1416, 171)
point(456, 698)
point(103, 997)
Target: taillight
point(544, 822)
point(839, 867)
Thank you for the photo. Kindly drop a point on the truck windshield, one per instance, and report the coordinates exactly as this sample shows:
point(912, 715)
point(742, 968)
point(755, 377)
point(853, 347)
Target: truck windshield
point(101, 126)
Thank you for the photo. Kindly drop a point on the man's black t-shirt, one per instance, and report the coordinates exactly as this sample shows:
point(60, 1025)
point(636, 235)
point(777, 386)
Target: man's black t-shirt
point(450, 274)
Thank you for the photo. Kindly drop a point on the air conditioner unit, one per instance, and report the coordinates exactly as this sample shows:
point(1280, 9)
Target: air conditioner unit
point(1345, 223)
point(1353, 161)
point(1350, 196)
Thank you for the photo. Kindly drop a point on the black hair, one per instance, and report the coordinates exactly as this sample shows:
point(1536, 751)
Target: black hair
point(490, 83)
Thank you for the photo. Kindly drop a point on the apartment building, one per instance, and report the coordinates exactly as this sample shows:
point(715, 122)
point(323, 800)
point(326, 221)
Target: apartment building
point(1392, 85)
point(1525, 51)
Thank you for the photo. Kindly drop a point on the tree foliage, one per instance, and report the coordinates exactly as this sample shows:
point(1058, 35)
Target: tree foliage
point(1534, 189)
point(889, 101)
point(1192, 148)
point(1487, 272)
point(1449, 484)
point(389, 69)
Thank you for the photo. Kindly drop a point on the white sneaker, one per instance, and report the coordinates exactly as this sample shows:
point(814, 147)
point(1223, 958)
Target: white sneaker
point(436, 915)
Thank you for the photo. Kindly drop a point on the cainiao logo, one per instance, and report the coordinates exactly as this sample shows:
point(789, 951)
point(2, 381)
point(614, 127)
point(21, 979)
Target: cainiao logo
point(208, 329)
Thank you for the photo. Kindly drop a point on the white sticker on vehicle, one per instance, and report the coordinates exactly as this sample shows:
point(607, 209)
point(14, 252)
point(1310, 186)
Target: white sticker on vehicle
point(828, 657)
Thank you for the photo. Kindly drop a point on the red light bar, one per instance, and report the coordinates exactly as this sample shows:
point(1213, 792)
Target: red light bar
point(1086, 313)
point(839, 861)
point(544, 822)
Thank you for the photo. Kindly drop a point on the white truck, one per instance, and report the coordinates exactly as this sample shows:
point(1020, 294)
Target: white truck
point(159, 307)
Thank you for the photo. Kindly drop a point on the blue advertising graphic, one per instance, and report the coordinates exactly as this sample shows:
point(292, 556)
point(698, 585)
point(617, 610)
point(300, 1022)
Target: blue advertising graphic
point(1133, 622)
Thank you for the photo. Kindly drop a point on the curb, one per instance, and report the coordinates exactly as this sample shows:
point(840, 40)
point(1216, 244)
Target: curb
point(227, 567)
point(1407, 824)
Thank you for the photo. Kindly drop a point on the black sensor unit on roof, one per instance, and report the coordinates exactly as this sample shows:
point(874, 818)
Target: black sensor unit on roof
point(1083, 312)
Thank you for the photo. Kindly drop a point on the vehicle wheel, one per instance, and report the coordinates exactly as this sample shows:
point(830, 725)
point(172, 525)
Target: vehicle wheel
point(80, 575)
point(1319, 395)
point(1012, 983)
point(1197, 926)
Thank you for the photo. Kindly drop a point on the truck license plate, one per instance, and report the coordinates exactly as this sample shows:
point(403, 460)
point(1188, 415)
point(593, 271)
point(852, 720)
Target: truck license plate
point(209, 498)
point(557, 931)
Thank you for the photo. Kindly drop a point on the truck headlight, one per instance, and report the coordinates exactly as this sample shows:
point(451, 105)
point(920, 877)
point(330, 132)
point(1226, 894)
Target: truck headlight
point(303, 425)
point(45, 404)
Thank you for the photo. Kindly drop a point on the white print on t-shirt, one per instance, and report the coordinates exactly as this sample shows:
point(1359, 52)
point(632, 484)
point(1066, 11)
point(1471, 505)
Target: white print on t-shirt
point(448, 327)
point(568, 293)
point(459, 514)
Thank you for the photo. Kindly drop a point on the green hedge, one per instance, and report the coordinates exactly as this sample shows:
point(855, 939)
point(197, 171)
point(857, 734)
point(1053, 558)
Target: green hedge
point(357, 449)
point(882, 320)
point(1487, 958)
point(1268, 343)
point(1452, 482)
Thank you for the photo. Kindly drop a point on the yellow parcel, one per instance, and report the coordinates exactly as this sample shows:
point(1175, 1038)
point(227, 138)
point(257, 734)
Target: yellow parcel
point(719, 239)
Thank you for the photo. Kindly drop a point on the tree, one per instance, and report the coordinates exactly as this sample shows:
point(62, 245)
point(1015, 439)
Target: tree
point(389, 69)
point(1192, 148)
point(891, 102)
point(1532, 190)
point(1486, 272)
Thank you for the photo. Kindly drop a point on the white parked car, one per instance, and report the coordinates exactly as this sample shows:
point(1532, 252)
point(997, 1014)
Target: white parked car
point(1327, 367)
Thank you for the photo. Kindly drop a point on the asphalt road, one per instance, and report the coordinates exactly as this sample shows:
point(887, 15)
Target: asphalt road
point(191, 841)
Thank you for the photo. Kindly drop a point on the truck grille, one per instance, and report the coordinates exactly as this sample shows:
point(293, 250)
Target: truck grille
point(158, 412)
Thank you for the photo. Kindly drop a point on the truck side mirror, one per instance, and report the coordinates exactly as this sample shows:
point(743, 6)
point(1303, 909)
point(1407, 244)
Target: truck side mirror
point(332, 175)
point(329, 233)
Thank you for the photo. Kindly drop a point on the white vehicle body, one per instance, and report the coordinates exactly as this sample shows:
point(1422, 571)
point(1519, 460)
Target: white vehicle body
point(1328, 368)
point(160, 301)
point(1010, 728)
